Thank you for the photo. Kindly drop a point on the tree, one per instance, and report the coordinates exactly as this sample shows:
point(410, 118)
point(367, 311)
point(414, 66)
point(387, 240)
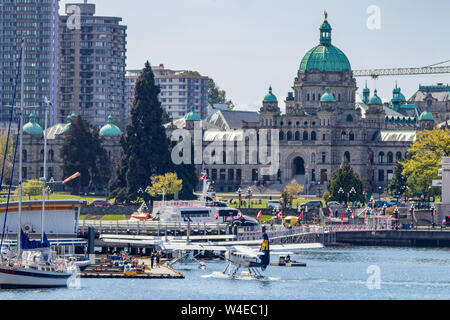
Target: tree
point(425, 155)
point(31, 188)
point(217, 96)
point(82, 151)
point(290, 191)
point(165, 185)
point(344, 179)
point(146, 148)
point(398, 183)
point(9, 154)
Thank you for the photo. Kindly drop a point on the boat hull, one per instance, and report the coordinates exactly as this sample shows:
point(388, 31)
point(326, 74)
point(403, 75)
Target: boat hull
point(17, 278)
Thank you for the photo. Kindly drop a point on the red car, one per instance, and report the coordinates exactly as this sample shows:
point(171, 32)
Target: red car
point(101, 203)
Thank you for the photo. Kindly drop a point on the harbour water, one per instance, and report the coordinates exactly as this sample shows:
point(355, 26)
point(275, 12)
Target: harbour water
point(344, 273)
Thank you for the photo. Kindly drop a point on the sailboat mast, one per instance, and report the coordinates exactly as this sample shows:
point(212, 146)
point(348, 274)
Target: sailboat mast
point(44, 179)
point(22, 83)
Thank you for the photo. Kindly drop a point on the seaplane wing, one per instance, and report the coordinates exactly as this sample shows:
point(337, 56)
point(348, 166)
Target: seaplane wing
point(296, 246)
point(249, 252)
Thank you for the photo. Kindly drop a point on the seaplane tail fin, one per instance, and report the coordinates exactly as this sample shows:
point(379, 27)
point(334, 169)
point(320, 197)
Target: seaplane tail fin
point(265, 249)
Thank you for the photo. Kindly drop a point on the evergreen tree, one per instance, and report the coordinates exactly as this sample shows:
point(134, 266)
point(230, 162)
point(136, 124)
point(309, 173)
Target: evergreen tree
point(146, 147)
point(345, 178)
point(82, 151)
point(398, 183)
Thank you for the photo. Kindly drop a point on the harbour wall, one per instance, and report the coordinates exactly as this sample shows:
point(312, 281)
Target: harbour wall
point(410, 238)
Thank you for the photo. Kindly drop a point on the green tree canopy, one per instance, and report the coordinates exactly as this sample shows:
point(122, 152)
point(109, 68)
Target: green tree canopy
point(345, 179)
point(82, 151)
point(398, 183)
point(425, 155)
point(217, 96)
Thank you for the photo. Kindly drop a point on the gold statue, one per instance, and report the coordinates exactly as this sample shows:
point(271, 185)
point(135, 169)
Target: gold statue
point(326, 14)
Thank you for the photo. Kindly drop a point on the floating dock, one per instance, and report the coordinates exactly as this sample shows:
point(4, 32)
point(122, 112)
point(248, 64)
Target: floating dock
point(107, 270)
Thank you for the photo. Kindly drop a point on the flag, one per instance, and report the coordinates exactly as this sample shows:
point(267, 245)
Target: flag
point(342, 216)
point(434, 212)
point(259, 215)
point(76, 175)
point(331, 214)
point(239, 216)
point(364, 217)
point(353, 214)
point(203, 177)
point(301, 216)
point(280, 215)
point(226, 218)
point(217, 215)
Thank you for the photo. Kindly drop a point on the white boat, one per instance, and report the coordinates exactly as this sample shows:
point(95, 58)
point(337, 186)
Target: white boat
point(31, 264)
point(206, 210)
point(35, 269)
point(142, 214)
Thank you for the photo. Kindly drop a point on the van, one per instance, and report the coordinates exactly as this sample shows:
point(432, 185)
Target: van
point(273, 204)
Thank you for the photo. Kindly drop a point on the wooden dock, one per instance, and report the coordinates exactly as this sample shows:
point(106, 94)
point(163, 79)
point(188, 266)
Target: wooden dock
point(105, 270)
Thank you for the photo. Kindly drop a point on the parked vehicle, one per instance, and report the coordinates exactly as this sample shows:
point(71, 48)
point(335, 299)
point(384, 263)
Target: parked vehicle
point(246, 222)
point(381, 204)
point(101, 203)
point(312, 205)
point(273, 204)
point(336, 208)
point(290, 221)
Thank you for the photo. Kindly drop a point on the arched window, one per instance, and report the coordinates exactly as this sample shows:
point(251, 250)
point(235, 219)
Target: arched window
point(307, 97)
point(347, 156)
point(51, 156)
point(344, 135)
point(381, 157)
point(25, 155)
point(398, 156)
point(289, 136)
point(314, 97)
point(42, 155)
point(281, 135)
point(305, 136)
point(351, 136)
point(297, 136)
point(390, 157)
point(349, 118)
point(313, 136)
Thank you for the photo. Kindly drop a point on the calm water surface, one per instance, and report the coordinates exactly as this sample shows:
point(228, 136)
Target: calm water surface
point(331, 273)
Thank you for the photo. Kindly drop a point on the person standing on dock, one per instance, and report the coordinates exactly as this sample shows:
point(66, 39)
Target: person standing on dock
point(158, 258)
point(152, 259)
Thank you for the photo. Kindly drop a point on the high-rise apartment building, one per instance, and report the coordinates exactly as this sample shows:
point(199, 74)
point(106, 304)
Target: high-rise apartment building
point(92, 65)
point(37, 22)
point(180, 91)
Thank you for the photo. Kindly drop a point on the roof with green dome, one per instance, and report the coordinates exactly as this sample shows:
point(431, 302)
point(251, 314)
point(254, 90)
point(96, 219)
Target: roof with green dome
point(426, 115)
point(110, 129)
point(32, 127)
point(325, 57)
point(192, 115)
point(327, 97)
point(375, 99)
point(398, 96)
point(270, 97)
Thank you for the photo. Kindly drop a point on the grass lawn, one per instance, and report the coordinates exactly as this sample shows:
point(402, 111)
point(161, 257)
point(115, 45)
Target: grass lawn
point(114, 217)
point(89, 199)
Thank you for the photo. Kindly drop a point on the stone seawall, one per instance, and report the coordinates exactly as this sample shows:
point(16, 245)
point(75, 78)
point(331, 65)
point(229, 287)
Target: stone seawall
point(396, 238)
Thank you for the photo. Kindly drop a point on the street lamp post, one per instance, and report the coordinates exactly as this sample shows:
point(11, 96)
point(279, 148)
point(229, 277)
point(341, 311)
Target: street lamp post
point(240, 196)
point(249, 192)
point(341, 191)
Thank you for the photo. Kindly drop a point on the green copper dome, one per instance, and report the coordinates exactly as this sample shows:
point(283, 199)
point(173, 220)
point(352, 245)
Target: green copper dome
point(110, 129)
point(327, 97)
point(192, 115)
point(398, 96)
point(32, 127)
point(325, 57)
point(375, 99)
point(69, 122)
point(426, 115)
point(270, 97)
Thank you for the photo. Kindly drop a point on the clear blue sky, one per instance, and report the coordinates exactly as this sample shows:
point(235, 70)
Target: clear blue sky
point(247, 45)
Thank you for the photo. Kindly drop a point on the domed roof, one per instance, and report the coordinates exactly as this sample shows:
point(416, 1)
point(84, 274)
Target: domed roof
point(110, 129)
point(327, 97)
point(270, 97)
point(69, 122)
point(325, 57)
point(426, 115)
point(398, 97)
point(375, 99)
point(192, 115)
point(32, 127)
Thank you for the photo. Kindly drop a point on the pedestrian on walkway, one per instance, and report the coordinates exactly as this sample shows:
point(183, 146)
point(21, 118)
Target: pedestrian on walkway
point(158, 257)
point(152, 259)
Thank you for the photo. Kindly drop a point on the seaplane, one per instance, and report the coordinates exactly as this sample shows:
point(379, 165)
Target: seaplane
point(238, 254)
